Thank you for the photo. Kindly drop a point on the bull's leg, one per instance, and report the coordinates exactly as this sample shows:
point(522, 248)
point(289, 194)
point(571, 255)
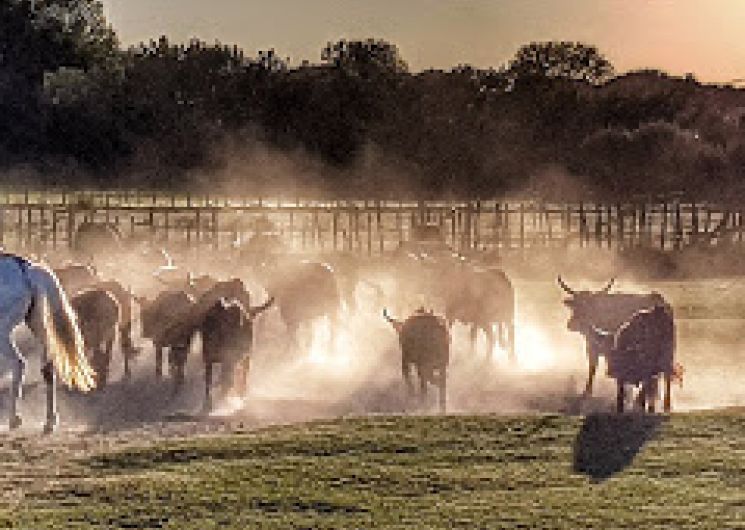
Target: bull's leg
point(125, 339)
point(668, 384)
point(227, 376)
point(474, 338)
point(641, 398)
point(109, 348)
point(293, 333)
point(158, 362)
point(425, 376)
point(98, 362)
point(105, 359)
point(489, 332)
point(443, 390)
point(510, 332)
point(620, 396)
point(242, 369)
point(406, 373)
point(207, 408)
point(593, 359)
point(652, 395)
point(177, 362)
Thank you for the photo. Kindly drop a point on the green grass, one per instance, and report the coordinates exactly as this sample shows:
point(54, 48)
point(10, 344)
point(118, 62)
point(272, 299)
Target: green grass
point(685, 471)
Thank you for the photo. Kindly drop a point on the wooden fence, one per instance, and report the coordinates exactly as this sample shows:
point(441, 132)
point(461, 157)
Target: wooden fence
point(36, 221)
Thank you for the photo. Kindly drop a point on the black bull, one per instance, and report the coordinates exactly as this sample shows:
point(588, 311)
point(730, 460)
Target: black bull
point(642, 349)
point(425, 345)
point(635, 332)
point(227, 339)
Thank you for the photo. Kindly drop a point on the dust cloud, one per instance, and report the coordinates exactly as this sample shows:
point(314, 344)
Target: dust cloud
point(354, 368)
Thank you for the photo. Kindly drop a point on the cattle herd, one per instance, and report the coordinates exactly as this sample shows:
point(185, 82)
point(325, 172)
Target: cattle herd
point(420, 291)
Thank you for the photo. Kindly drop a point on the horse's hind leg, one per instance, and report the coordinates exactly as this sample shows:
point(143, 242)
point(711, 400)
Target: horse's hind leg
point(18, 366)
point(35, 323)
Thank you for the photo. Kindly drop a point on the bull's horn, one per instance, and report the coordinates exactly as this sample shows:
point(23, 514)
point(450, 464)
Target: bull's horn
point(564, 286)
point(607, 287)
point(601, 332)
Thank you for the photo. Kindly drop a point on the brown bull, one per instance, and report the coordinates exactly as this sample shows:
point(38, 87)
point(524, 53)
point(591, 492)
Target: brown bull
point(166, 322)
point(98, 317)
point(76, 278)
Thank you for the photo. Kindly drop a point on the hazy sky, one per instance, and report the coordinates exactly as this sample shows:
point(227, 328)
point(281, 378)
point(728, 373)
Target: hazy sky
point(706, 37)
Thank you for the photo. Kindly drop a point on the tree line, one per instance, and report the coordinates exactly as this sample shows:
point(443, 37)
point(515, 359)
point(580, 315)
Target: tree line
point(76, 108)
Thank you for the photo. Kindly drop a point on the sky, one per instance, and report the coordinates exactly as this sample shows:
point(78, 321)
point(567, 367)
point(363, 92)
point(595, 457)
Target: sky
point(703, 37)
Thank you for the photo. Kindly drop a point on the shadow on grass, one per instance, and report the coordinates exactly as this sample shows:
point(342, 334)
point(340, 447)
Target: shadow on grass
point(608, 443)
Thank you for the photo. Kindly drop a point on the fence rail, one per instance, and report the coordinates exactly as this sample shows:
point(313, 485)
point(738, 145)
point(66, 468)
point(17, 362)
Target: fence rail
point(33, 220)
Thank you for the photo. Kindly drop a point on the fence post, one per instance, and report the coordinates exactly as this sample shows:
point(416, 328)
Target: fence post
point(663, 225)
point(70, 226)
point(369, 230)
point(215, 230)
point(522, 225)
point(694, 222)
point(678, 227)
point(378, 224)
point(334, 226)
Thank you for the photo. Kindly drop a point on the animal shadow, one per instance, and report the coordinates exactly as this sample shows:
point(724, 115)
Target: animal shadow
point(608, 443)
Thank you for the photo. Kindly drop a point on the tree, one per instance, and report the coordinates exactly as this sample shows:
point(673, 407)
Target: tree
point(38, 36)
point(364, 58)
point(567, 60)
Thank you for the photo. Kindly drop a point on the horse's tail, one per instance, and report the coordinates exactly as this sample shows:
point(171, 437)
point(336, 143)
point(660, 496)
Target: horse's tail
point(64, 340)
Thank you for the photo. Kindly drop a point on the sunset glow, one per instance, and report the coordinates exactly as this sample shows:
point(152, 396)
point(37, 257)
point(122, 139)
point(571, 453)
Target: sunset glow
point(677, 37)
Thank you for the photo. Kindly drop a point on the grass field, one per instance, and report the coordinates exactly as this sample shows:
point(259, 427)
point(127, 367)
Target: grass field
point(682, 471)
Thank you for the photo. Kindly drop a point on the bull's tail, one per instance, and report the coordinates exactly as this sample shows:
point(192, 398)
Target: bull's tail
point(64, 341)
point(395, 323)
point(253, 312)
point(677, 374)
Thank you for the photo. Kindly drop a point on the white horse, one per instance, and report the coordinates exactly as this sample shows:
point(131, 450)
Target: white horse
point(30, 293)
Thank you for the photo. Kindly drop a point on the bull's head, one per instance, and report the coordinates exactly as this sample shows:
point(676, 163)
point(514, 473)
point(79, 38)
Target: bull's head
point(583, 306)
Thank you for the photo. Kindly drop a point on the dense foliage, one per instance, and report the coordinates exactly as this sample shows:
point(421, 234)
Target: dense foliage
point(75, 108)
